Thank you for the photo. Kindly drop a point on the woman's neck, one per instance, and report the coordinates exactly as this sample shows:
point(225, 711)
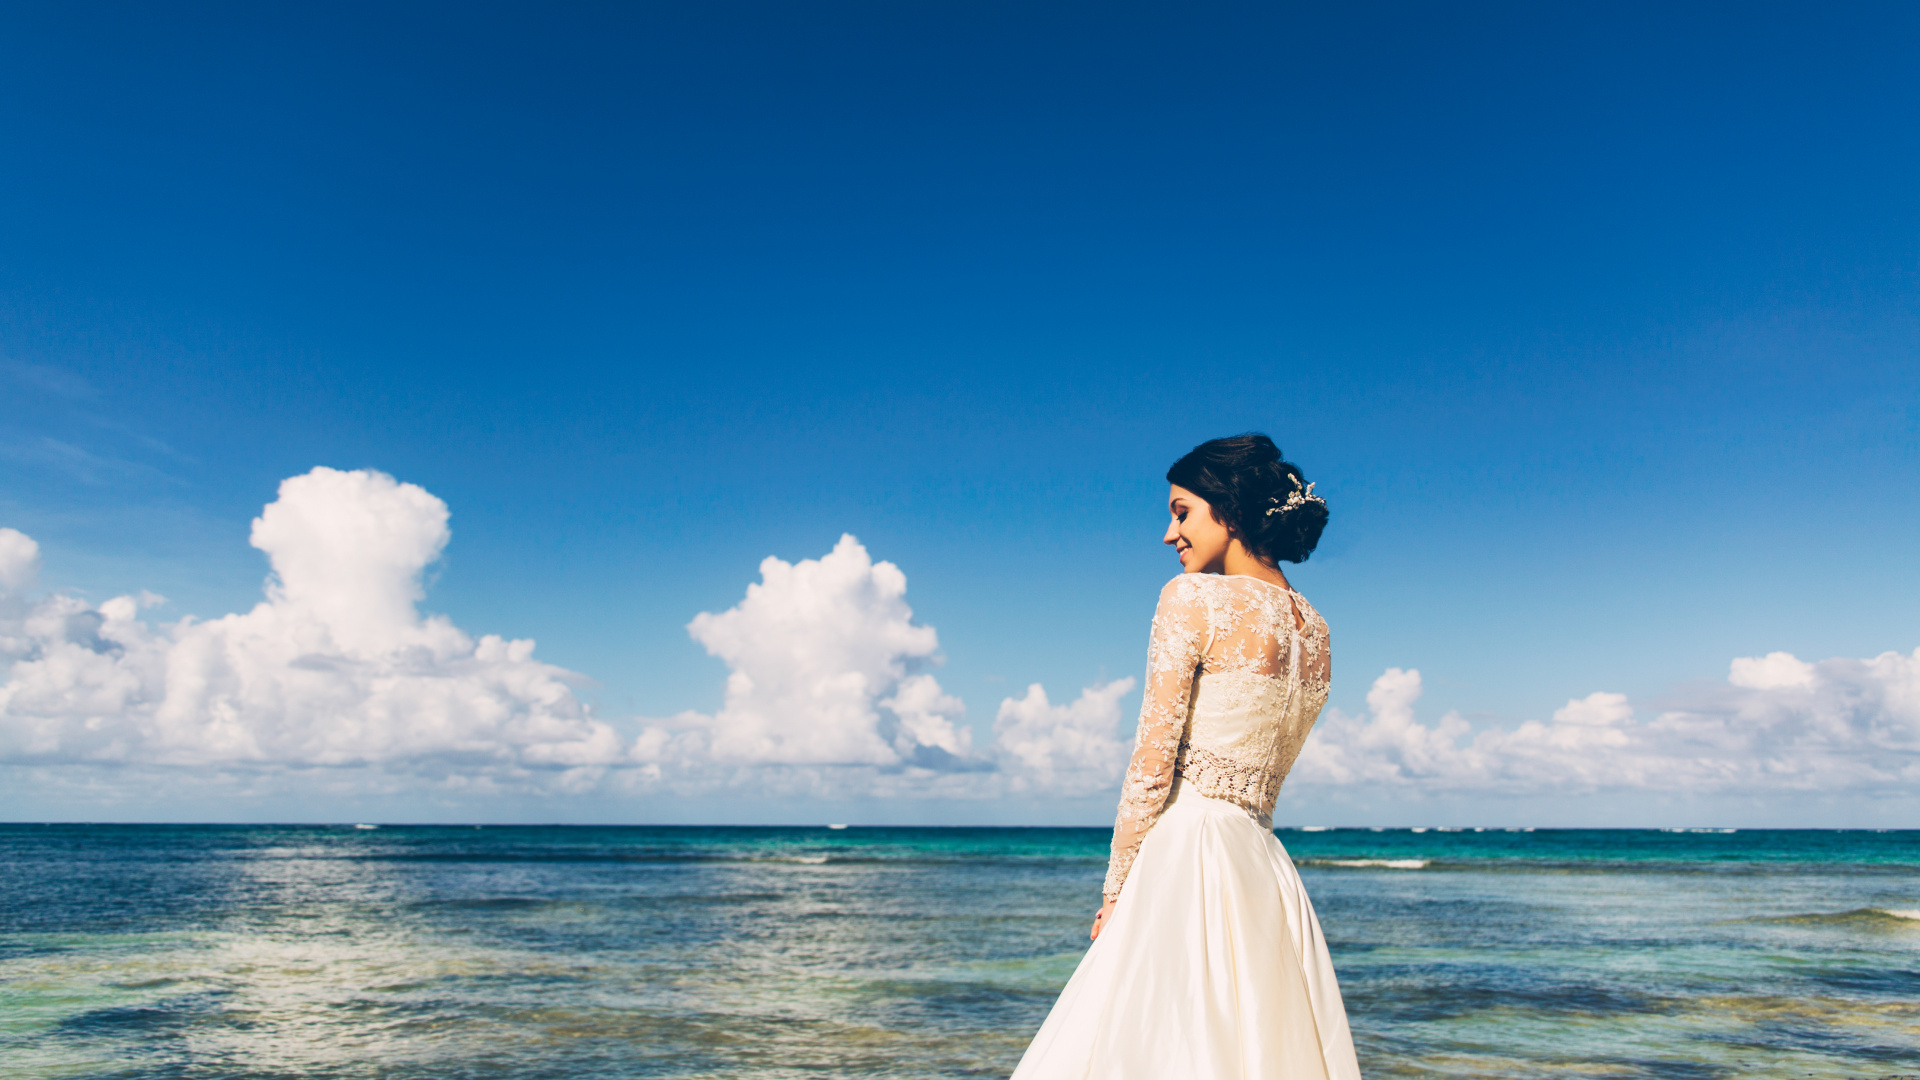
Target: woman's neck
point(1245, 563)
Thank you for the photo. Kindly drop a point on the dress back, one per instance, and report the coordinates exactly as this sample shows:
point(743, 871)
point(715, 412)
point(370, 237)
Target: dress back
point(1261, 685)
point(1237, 672)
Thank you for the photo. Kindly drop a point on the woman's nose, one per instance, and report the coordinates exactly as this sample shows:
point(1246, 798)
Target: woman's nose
point(1173, 534)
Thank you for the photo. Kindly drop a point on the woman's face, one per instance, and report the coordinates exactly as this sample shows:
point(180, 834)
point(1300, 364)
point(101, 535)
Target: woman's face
point(1199, 540)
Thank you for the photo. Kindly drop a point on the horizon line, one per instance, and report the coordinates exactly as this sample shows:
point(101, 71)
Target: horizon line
point(837, 826)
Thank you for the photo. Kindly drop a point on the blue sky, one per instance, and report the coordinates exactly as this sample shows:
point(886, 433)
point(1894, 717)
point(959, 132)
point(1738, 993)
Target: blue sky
point(1596, 326)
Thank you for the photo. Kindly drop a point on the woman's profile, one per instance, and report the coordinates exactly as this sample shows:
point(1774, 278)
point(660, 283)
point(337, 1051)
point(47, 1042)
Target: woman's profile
point(1207, 958)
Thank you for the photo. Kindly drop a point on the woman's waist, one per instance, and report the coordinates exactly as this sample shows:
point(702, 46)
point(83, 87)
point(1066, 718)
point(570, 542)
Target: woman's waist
point(1189, 797)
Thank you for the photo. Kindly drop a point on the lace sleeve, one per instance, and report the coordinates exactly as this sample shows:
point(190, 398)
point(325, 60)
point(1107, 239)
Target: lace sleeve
point(1178, 643)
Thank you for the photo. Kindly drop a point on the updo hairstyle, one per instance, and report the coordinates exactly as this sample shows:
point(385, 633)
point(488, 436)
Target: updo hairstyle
point(1243, 477)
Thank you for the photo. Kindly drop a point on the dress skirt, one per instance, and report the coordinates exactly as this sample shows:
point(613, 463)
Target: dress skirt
point(1211, 967)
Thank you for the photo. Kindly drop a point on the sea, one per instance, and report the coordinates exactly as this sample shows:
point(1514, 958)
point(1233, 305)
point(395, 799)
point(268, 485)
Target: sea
point(448, 952)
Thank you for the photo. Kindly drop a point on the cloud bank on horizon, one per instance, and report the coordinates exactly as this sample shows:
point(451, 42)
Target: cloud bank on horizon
point(832, 692)
point(336, 668)
point(1778, 724)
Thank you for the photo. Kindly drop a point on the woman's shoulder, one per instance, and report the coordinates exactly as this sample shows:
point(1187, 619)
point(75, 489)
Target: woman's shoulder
point(1189, 587)
point(1239, 593)
point(1206, 591)
point(1184, 585)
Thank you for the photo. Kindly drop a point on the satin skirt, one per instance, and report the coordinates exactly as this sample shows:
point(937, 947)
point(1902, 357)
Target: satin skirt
point(1211, 967)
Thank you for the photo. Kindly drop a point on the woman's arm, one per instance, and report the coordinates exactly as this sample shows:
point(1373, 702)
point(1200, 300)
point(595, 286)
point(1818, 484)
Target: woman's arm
point(1178, 644)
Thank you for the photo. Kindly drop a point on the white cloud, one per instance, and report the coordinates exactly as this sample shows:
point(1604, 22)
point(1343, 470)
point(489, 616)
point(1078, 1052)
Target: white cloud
point(1779, 724)
point(1774, 671)
point(926, 714)
point(335, 668)
point(19, 562)
point(1063, 749)
point(825, 657)
point(828, 692)
point(825, 671)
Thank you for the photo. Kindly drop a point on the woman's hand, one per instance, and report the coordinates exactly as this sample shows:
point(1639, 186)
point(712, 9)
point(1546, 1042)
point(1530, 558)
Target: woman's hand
point(1100, 920)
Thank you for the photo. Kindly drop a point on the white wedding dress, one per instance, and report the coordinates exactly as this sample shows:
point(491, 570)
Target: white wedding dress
point(1212, 964)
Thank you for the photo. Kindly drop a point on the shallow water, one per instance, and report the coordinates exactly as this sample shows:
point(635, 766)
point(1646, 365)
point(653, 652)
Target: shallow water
point(447, 952)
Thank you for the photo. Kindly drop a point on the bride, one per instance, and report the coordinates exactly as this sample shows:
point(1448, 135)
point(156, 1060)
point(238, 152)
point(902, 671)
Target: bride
point(1207, 960)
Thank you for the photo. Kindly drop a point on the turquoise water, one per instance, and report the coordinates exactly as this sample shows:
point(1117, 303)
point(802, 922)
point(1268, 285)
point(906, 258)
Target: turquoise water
point(448, 952)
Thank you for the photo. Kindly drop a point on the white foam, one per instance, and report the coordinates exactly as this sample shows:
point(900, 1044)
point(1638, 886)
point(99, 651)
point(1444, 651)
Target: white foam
point(836, 826)
point(1316, 828)
point(366, 826)
point(1901, 913)
point(1389, 864)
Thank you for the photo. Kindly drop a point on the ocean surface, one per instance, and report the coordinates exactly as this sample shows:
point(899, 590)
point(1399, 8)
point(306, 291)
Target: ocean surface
point(583, 953)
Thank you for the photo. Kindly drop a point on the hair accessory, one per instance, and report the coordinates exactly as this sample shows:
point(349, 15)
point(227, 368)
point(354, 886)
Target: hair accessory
point(1299, 497)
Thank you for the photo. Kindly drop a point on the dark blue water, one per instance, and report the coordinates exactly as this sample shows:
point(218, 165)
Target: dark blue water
point(440, 952)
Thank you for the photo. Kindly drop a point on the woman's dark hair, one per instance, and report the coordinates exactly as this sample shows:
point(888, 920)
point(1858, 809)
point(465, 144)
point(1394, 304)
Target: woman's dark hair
point(1247, 483)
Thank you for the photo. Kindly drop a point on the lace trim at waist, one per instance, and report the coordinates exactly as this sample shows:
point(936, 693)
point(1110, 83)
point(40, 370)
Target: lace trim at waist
point(1245, 786)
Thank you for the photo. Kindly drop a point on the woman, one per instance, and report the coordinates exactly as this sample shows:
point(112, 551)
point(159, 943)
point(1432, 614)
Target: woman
point(1207, 960)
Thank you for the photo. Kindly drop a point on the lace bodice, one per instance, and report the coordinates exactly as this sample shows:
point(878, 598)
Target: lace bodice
point(1237, 671)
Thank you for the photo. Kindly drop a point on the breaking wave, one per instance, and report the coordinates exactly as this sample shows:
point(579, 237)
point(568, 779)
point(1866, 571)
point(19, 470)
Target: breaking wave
point(1382, 864)
point(1863, 918)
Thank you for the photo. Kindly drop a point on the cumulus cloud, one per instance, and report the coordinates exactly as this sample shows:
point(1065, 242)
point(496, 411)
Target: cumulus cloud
point(1774, 671)
point(825, 660)
point(19, 561)
point(1778, 724)
point(829, 690)
point(1071, 749)
point(336, 667)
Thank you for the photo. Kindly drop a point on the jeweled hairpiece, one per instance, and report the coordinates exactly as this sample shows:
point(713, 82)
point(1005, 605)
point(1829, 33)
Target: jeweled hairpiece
point(1300, 496)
